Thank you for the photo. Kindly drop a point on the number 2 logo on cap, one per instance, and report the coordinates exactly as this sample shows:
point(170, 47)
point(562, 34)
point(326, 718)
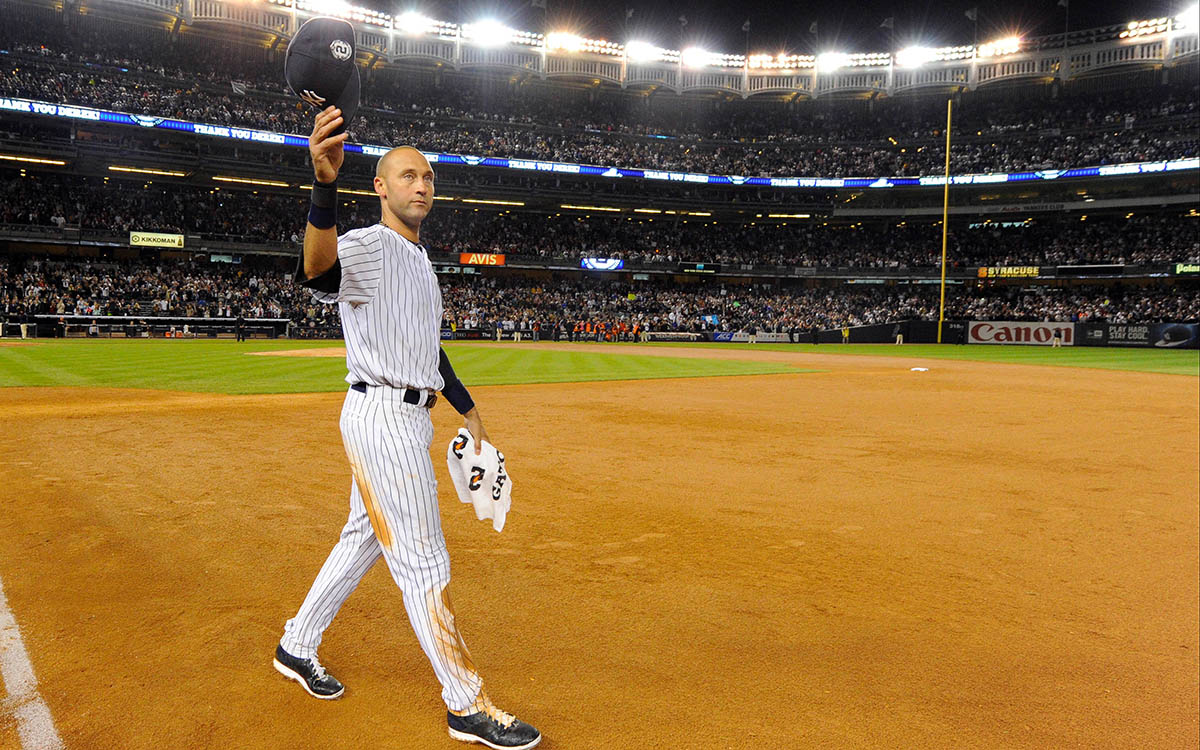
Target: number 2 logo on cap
point(340, 49)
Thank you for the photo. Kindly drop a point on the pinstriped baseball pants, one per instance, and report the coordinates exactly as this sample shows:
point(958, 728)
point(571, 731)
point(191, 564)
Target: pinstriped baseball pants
point(394, 515)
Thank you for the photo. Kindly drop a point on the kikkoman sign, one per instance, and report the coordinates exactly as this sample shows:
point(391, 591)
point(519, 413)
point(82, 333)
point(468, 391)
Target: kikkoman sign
point(1009, 272)
point(155, 239)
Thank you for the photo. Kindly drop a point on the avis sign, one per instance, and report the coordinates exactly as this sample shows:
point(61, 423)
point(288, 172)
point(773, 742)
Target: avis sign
point(1011, 332)
point(481, 259)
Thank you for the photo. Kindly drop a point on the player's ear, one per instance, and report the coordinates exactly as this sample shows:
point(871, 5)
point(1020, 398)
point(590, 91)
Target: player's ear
point(380, 188)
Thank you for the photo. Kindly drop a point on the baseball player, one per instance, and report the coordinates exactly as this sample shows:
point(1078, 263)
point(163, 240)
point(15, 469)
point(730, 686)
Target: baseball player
point(391, 310)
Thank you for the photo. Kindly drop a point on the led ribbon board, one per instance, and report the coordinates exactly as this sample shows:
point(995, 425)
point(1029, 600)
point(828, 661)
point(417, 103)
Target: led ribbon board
point(602, 264)
point(530, 165)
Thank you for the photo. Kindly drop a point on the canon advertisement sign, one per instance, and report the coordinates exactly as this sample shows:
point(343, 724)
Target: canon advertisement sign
point(1010, 332)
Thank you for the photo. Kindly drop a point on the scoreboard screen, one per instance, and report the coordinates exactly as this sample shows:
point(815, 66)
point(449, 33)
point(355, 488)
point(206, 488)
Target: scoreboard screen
point(700, 267)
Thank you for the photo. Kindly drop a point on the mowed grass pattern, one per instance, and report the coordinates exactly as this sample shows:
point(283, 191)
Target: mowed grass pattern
point(1166, 361)
point(492, 364)
point(206, 366)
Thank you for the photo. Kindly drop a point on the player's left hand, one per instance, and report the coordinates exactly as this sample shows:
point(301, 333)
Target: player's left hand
point(474, 424)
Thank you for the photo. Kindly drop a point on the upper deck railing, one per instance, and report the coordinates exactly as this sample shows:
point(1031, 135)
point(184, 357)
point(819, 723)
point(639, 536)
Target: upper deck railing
point(415, 39)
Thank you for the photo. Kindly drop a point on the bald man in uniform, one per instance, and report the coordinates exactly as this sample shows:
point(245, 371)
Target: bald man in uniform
point(391, 311)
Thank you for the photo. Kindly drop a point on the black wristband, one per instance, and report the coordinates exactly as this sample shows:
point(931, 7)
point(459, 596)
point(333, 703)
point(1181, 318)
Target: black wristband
point(322, 213)
point(452, 388)
point(456, 393)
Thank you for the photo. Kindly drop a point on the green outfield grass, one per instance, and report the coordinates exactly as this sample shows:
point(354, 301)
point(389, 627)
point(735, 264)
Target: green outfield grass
point(223, 366)
point(1166, 361)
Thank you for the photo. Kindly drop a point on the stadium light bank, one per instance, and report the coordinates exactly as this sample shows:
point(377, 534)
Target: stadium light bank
point(695, 57)
point(827, 62)
point(641, 52)
point(493, 33)
point(914, 57)
point(413, 23)
point(1188, 21)
point(564, 40)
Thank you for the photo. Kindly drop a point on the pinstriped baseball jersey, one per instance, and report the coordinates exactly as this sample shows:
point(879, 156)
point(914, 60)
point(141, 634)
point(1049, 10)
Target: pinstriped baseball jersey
point(391, 308)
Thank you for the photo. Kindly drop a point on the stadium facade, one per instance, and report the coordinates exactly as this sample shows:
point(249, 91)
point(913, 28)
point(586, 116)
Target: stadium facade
point(1044, 147)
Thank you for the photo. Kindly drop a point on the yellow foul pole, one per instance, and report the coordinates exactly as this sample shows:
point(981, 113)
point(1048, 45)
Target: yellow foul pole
point(945, 221)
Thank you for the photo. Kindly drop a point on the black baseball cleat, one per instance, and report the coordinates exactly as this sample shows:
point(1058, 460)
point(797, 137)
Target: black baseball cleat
point(494, 728)
point(310, 674)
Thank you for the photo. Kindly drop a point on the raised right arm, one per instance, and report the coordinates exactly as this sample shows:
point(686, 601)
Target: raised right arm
point(320, 234)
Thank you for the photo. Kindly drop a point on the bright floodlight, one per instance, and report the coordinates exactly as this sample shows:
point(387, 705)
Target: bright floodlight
point(1006, 46)
point(1189, 19)
point(564, 40)
point(413, 22)
point(695, 57)
point(329, 7)
point(827, 62)
point(488, 33)
point(913, 57)
point(641, 51)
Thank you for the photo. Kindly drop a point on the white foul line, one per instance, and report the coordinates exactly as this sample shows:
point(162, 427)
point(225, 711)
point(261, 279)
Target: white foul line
point(34, 723)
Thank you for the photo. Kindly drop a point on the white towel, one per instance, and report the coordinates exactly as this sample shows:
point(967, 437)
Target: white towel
point(480, 480)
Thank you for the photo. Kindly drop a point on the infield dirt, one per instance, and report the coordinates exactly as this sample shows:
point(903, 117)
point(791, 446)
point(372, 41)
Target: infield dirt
point(979, 556)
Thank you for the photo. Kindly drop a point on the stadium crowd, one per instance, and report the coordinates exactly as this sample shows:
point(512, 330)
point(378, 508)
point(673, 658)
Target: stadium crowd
point(101, 43)
point(165, 288)
point(809, 155)
point(258, 219)
point(1079, 304)
point(517, 304)
point(197, 289)
point(1140, 239)
point(118, 207)
point(101, 63)
point(153, 75)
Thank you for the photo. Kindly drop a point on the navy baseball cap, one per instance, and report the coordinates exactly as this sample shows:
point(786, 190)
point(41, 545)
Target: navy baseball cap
point(1179, 334)
point(320, 67)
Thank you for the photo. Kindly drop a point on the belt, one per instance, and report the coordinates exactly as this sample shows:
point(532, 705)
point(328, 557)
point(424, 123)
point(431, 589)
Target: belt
point(414, 396)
